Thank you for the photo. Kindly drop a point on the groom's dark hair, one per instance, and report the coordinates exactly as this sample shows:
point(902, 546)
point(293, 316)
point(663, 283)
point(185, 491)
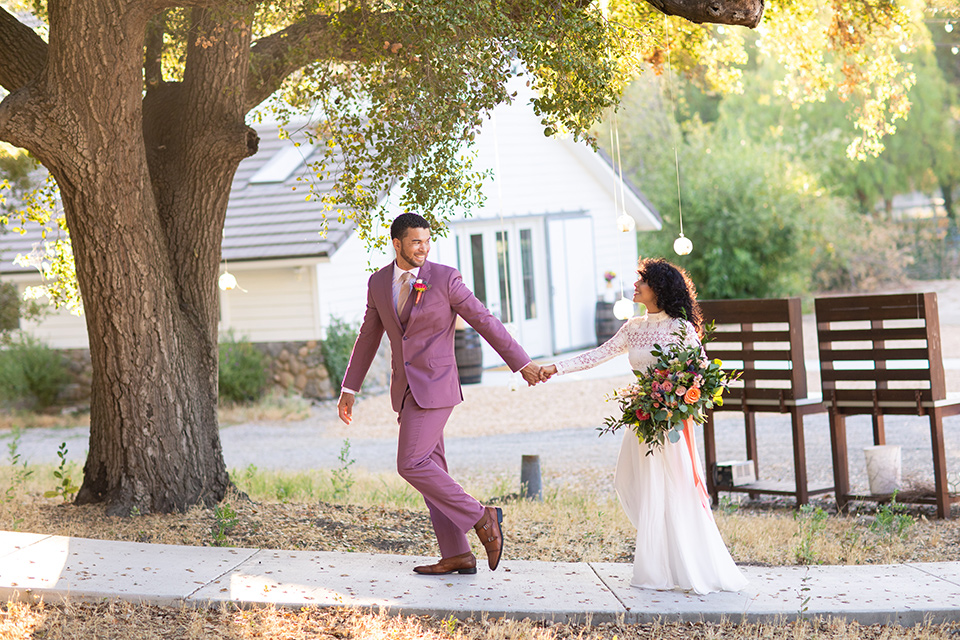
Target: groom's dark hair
point(406, 221)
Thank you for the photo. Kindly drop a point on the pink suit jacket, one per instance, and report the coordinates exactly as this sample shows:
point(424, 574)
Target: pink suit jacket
point(422, 353)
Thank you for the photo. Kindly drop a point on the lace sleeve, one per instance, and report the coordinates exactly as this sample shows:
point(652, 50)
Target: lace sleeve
point(607, 351)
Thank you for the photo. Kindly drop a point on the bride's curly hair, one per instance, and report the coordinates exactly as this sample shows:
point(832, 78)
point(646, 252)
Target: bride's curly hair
point(675, 291)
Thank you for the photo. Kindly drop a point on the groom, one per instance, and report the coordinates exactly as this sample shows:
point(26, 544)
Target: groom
point(416, 302)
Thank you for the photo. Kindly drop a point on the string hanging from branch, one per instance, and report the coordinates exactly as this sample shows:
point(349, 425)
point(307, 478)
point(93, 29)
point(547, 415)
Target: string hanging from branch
point(682, 245)
point(623, 308)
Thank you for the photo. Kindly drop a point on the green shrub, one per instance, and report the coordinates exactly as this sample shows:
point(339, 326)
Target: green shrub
point(32, 373)
point(243, 373)
point(336, 349)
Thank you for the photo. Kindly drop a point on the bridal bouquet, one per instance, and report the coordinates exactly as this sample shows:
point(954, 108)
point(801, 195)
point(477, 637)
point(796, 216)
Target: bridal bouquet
point(681, 385)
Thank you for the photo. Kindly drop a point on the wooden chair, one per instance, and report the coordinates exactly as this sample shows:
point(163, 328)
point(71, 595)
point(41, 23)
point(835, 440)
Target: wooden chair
point(764, 340)
point(899, 373)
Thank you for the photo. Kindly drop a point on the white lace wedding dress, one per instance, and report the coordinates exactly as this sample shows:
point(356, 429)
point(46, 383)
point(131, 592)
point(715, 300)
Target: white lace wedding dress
point(678, 544)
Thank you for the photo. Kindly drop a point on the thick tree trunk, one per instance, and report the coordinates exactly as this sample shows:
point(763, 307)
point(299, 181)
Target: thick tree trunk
point(163, 453)
point(154, 441)
point(144, 185)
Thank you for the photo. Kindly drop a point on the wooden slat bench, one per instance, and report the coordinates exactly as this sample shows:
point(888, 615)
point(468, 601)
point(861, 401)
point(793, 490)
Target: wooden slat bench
point(763, 339)
point(880, 355)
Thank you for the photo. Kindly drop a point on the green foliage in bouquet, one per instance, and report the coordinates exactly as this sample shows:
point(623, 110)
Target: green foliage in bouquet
point(682, 384)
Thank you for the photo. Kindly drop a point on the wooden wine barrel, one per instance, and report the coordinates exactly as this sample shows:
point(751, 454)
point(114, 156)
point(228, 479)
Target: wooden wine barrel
point(606, 323)
point(466, 347)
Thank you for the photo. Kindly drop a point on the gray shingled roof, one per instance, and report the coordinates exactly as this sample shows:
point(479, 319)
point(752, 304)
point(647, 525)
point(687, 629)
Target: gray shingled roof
point(271, 220)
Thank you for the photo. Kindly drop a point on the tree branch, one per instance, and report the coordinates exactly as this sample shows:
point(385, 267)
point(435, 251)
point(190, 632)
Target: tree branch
point(276, 56)
point(22, 52)
point(746, 13)
point(152, 65)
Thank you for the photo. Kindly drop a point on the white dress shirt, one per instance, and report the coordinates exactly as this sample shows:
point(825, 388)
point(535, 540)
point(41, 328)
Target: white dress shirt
point(397, 272)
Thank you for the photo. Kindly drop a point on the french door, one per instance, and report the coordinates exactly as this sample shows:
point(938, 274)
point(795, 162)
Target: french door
point(506, 267)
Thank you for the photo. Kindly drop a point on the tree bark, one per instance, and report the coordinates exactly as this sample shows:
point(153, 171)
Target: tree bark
point(746, 13)
point(144, 184)
point(193, 138)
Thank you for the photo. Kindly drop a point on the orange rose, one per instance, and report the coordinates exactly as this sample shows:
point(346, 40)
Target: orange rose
point(692, 395)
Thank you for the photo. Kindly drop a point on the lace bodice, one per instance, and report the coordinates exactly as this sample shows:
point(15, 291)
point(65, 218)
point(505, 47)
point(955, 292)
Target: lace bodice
point(636, 337)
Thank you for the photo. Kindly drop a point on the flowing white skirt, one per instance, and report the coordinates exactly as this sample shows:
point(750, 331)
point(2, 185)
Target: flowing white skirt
point(678, 543)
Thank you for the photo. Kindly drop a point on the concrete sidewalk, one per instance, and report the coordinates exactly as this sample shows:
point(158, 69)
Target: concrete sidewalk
point(56, 568)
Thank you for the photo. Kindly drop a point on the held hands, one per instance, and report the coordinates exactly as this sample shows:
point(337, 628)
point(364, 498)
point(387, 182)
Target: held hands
point(547, 372)
point(345, 407)
point(531, 373)
point(535, 374)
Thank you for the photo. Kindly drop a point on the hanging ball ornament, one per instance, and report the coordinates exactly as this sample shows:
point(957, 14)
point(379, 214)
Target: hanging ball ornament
point(227, 282)
point(682, 245)
point(623, 309)
point(626, 223)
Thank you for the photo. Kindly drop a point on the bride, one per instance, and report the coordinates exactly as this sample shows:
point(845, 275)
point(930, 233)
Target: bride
point(663, 494)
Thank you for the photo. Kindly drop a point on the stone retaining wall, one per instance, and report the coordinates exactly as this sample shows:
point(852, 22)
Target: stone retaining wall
point(294, 367)
point(298, 367)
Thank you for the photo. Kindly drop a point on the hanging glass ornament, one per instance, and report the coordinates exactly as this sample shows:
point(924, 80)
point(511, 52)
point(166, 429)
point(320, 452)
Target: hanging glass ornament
point(623, 309)
point(227, 282)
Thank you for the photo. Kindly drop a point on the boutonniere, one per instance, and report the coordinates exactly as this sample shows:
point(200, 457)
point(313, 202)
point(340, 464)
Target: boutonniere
point(420, 286)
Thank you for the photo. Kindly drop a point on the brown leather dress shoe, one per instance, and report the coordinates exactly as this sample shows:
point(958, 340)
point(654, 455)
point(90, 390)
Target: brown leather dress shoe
point(491, 534)
point(463, 563)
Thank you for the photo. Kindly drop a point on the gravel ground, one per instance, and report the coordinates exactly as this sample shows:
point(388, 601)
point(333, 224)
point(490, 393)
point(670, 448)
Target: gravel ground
point(556, 421)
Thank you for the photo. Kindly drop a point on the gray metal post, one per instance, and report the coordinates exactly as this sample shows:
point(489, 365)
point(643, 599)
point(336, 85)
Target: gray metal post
point(530, 485)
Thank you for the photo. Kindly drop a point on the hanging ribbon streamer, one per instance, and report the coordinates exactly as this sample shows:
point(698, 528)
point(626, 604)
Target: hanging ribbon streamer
point(623, 308)
point(697, 476)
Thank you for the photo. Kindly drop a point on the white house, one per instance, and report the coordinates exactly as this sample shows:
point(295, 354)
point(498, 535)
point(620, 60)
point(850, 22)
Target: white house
point(536, 253)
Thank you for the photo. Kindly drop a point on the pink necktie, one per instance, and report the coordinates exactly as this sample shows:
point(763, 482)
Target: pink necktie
point(404, 292)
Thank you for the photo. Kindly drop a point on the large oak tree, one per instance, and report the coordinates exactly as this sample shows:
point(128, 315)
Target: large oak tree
point(138, 109)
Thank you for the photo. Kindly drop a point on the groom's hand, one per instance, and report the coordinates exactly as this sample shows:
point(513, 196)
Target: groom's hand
point(531, 373)
point(345, 407)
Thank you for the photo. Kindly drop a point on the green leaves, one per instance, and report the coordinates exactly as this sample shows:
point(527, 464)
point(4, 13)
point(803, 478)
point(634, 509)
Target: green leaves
point(65, 487)
point(401, 115)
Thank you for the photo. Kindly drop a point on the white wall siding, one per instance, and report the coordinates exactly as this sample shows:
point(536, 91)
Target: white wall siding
point(59, 329)
point(342, 282)
point(277, 305)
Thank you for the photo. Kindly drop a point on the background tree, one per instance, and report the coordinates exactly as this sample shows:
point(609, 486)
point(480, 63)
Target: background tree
point(137, 109)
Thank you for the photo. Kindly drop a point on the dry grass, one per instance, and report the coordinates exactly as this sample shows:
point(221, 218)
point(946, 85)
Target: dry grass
point(382, 515)
point(272, 408)
point(120, 620)
point(10, 420)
